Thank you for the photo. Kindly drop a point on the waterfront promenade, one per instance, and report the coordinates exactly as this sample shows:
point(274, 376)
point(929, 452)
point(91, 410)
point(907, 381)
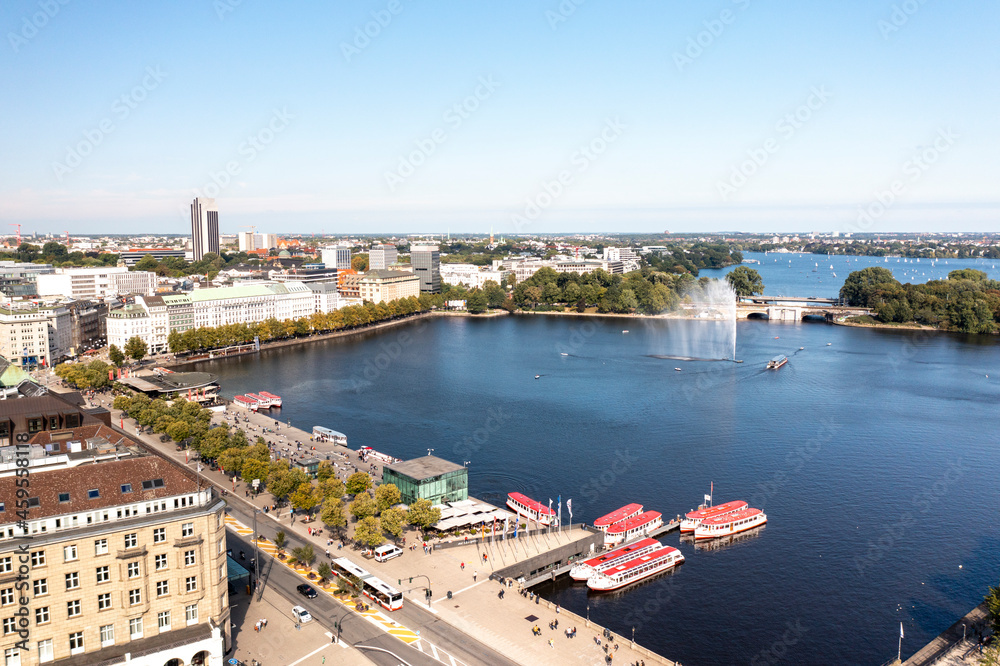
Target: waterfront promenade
point(477, 609)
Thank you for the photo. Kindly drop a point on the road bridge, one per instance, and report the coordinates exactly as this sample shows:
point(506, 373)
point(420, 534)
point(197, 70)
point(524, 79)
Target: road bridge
point(794, 308)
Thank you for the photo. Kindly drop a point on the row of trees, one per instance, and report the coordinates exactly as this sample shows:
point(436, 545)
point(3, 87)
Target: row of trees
point(646, 291)
point(967, 301)
point(58, 255)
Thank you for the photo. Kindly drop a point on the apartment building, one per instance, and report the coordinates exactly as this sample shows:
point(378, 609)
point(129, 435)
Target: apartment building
point(95, 283)
point(34, 334)
point(384, 286)
point(470, 275)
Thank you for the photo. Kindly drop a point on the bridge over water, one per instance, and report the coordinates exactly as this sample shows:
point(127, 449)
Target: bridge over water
point(795, 308)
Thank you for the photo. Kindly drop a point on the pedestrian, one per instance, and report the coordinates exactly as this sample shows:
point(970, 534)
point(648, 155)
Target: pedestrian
point(462, 565)
point(550, 644)
point(474, 575)
point(501, 592)
point(557, 609)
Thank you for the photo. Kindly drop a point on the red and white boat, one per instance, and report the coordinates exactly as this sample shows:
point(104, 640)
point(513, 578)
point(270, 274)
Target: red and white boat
point(632, 528)
point(245, 403)
point(624, 513)
point(523, 505)
point(731, 523)
point(693, 519)
point(275, 400)
point(586, 569)
point(649, 564)
point(262, 402)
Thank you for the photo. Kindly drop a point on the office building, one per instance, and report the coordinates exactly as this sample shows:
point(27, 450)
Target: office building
point(96, 283)
point(33, 335)
point(338, 257)
point(134, 255)
point(426, 262)
point(470, 275)
point(430, 478)
point(380, 257)
point(385, 286)
point(247, 241)
point(204, 227)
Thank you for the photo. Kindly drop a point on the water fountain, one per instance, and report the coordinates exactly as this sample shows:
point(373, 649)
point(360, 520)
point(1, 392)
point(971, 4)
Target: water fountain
point(715, 302)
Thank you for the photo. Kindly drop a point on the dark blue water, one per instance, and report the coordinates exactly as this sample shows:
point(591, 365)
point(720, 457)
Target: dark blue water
point(875, 457)
point(810, 275)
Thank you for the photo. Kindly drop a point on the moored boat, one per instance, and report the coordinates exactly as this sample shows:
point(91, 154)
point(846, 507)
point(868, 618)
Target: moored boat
point(632, 528)
point(635, 570)
point(245, 403)
point(624, 513)
point(262, 402)
point(275, 400)
point(530, 509)
point(733, 523)
point(693, 518)
point(586, 569)
point(777, 362)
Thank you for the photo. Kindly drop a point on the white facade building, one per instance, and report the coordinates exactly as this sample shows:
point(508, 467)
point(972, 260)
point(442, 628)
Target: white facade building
point(525, 268)
point(247, 241)
point(96, 283)
point(338, 256)
point(471, 275)
point(32, 335)
point(380, 257)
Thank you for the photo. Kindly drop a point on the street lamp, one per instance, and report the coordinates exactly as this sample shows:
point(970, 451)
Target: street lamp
point(256, 551)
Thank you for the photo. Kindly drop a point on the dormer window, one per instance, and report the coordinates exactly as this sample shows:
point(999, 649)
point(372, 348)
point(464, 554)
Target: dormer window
point(93, 494)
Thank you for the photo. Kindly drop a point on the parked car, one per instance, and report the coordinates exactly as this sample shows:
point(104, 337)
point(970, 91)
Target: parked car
point(307, 591)
point(301, 615)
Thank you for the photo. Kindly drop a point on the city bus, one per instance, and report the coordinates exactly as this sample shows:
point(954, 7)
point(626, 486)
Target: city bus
point(377, 590)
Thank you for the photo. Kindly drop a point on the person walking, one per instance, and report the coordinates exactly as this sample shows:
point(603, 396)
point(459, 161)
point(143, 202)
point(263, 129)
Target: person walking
point(474, 575)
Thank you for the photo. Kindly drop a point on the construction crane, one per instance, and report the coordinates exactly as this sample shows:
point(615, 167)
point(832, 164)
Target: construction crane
point(18, 233)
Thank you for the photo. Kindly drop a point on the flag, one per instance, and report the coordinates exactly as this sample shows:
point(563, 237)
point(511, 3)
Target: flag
point(517, 523)
point(708, 498)
point(569, 507)
point(505, 524)
point(901, 630)
point(559, 497)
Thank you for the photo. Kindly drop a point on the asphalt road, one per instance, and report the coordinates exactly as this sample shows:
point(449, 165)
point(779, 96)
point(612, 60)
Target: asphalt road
point(356, 630)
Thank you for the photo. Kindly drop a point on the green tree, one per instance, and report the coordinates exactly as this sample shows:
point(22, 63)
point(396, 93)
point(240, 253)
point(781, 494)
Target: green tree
point(332, 488)
point(147, 263)
point(369, 532)
point(323, 571)
point(254, 469)
point(304, 554)
point(359, 262)
point(495, 294)
point(423, 514)
point(115, 355)
point(305, 497)
point(393, 521)
point(178, 431)
point(358, 482)
point(280, 540)
point(333, 514)
point(136, 348)
point(385, 496)
point(362, 506)
point(864, 288)
point(745, 281)
point(232, 458)
point(993, 607)
point(476, 302)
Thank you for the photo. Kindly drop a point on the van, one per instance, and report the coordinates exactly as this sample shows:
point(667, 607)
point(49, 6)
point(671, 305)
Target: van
point(301, 615)
point(387, 552)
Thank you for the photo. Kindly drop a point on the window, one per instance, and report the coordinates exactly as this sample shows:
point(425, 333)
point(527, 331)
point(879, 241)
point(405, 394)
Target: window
point(161, 562)
point(191, 583)
point(159, 535)
point(126, 488)
point(69, 553)
point(191, 613)
point(135, 628)
point(6, 596)
point(63, 497)
point(12, 657)
point(103, 574)
point(76, 642)
point(134, 597)
point(188, 558)
point(33, 502)
point(104, 601)
point(131, 540)
point(42, 615)
point(38, 558)
point(45, 652)
point(72, 580)
point(101, 547)
point(93, 493)
point(155, 483)
point(107, 635)
point(73, 608)
point(187, 529)
point(6, 564)
point(35, 425)
point(41, 586)
point(9, 625)
point(133, 569)
point(162, 588)
point(163, 620)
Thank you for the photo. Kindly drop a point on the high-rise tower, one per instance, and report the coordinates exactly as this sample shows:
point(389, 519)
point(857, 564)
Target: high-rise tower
point(204, 227)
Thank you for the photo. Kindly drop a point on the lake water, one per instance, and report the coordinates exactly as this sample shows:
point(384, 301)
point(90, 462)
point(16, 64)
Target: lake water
point(875, 455)
point(793, 274)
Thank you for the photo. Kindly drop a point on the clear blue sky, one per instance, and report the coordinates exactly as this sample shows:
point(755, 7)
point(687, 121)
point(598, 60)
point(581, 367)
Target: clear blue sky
point(333, 122)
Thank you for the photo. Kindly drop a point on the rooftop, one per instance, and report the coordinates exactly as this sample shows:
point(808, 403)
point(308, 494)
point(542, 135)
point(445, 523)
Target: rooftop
point(426, 467)
point(169, 382)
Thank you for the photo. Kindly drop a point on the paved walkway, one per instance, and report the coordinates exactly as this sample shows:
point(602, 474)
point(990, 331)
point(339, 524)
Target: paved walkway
point(958, 644)
point(476, 607)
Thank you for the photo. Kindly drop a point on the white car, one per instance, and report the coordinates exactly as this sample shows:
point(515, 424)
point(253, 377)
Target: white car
point(301, 615)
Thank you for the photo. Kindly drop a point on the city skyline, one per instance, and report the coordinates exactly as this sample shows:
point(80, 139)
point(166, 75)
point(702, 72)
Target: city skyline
point(388, 117)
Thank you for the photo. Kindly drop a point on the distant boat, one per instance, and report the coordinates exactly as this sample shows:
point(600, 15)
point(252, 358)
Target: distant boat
point(625, 331)
point(777, 362)
point(537, 376)
point(563, 354)
point(677, 369)
point(828, 344)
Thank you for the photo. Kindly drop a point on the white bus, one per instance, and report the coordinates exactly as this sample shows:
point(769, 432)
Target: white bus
point(378, 591)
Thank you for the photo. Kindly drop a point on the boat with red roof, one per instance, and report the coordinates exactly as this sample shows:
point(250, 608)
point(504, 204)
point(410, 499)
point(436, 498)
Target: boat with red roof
point(262, 402)
point(639, 568)
point(632, 528)
point(530, 509)
point(586, 569)
point(624, 513)
point(693, 519)
point(275, 400)
point(731, 523)
point(245, 403)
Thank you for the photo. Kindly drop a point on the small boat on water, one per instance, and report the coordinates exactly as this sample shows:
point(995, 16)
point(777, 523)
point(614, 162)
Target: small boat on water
point(777, 362)
point(262, 402)
point(733, 523)
point(537, 376)
point(634, 527)
point(693, 519)
point(618, 515)
point(246, 403)
point(275, 400)
point(524, 506)
point(586, 569)
point(635, 570)
point(625, 331)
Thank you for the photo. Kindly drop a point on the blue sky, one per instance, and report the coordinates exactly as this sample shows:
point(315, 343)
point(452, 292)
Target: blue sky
point(847, 115)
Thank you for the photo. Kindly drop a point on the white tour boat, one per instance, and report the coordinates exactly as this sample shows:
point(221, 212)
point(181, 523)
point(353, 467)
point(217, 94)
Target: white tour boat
point(633, 528)
point(245, 403)
point(624, 513)
point(733, 523)
point(587, 568)
point(635, 570)
point(275, 400)
point(693, 519)
point(530, 509)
